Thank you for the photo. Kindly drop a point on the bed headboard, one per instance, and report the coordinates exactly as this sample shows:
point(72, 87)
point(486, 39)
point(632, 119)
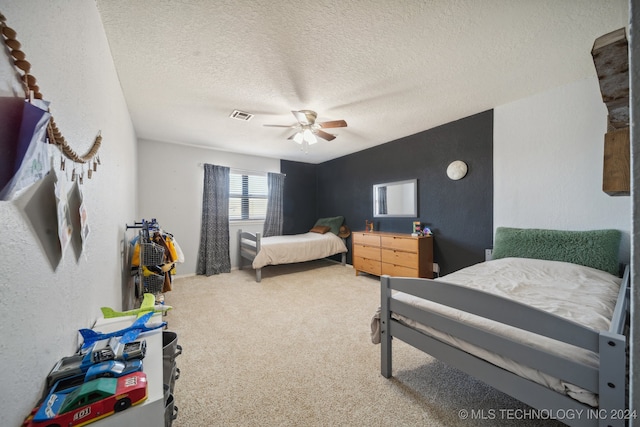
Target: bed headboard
point(595, 248)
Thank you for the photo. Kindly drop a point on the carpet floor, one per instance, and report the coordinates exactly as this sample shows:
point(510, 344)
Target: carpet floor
point(295, 350)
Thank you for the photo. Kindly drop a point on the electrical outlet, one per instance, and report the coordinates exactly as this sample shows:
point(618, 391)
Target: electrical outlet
point(436, 268)
point(488, 254)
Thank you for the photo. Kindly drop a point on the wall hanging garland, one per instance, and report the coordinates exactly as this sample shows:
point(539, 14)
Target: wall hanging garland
point(32, 91)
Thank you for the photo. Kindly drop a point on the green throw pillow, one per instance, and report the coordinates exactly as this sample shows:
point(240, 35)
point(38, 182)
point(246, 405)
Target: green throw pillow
point(595, 248)
point(334, 222)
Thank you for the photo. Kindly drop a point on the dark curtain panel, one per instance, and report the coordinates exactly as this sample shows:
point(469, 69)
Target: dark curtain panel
point(213, 256)
point(274, 219)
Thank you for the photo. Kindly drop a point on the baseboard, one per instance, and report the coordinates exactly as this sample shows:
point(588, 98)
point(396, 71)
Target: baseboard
point(182, 276)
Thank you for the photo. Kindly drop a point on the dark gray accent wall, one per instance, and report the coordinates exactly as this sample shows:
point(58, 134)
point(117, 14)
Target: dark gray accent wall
point(460, 213)
point(300, 194)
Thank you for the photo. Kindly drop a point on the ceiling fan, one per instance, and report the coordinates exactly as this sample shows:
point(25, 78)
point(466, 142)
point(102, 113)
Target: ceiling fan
point(307, 129)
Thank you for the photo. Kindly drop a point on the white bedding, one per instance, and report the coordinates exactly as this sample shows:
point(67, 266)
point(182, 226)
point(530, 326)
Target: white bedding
point(289, 249)
point(582, 294)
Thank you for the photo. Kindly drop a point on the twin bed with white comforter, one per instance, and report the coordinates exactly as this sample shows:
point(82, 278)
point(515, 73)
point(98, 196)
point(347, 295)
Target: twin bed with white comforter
point(549, 332)
point(321, 242)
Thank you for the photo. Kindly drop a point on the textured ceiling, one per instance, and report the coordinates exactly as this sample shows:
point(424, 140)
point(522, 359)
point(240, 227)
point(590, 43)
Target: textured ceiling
point(390, 69)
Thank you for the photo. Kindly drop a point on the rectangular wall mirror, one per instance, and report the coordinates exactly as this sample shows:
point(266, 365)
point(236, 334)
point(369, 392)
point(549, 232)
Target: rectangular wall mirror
point(398, 198)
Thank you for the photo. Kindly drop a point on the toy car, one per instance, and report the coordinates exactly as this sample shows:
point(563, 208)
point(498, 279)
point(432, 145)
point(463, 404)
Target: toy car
point(113, 369)
point(113, 348)
point(101, 351)
point(89, 402)
point(67, 367)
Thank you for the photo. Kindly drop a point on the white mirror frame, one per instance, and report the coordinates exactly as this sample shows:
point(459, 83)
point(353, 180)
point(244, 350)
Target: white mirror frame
point(402, 199)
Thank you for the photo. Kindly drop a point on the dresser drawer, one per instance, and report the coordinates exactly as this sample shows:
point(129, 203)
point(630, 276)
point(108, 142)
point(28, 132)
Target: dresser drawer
point(366, 239)
point(406, 259)
point(398, 270)
point(366, 265)
point(371, 252)
point(402, 243)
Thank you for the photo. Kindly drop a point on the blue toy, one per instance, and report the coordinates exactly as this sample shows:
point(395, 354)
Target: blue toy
point(128, 334)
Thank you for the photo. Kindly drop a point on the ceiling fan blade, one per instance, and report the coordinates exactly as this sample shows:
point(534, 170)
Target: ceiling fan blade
point(324, 135)
point(333, 124)
point(280, 126)
point(305, 117)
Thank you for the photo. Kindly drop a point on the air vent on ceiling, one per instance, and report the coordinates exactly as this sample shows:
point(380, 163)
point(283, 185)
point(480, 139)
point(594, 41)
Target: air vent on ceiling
point(241, 115)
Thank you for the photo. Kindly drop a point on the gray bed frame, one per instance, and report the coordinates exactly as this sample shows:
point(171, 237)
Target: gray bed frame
point(249, 246)
point(608, 381)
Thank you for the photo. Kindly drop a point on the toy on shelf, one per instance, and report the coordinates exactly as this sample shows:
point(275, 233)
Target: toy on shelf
point(97, 362)
point(88, 402)
point(148, 305)
point(128, 334)
point(102, 377)
point(112, 369)
point(115, 349)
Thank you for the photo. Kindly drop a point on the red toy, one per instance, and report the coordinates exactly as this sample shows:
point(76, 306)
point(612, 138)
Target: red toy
point(89, 402)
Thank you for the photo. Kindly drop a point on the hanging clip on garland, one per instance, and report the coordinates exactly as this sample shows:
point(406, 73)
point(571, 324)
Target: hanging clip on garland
point(32, 90)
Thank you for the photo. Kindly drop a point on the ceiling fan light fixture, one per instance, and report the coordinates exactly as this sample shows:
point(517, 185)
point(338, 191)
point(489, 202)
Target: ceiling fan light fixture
point(307, 131)
point(309, 136)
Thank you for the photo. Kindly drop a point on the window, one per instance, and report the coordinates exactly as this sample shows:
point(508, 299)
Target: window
point(248, 193)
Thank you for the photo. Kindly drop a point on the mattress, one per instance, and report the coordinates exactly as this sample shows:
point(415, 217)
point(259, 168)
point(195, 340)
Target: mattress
point(581, 294)
point(289, 249)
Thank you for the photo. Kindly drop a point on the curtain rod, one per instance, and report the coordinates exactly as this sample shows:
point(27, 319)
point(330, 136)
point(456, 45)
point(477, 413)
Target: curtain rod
point(243, 170)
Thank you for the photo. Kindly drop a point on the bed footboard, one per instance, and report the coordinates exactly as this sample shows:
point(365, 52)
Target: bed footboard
point(608, 381)
point(248, 248)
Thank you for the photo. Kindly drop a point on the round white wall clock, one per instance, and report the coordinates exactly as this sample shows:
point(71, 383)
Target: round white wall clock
point(457, 170)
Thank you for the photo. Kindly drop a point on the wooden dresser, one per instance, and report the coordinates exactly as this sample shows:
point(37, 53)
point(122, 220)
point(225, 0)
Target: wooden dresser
point(379, 253)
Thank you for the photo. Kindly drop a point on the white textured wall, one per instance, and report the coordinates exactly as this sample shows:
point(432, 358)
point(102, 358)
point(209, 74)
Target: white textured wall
point(170, 187)
point(42, 309)
point(548, 151)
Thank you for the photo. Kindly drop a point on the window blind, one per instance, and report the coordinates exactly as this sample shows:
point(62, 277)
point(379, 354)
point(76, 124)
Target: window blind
point(248, 194)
